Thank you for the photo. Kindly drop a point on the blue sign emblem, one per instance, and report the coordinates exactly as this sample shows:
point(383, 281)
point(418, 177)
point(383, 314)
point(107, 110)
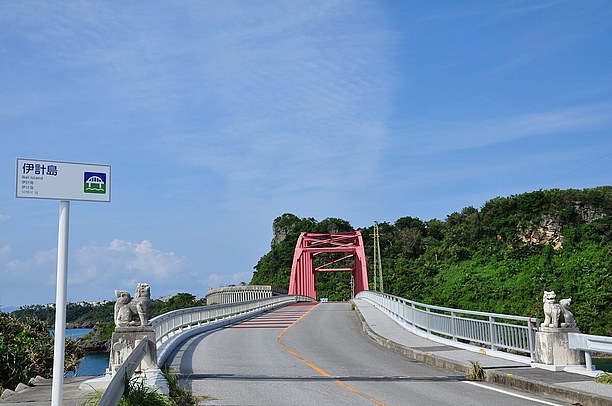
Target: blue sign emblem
point(94, 182)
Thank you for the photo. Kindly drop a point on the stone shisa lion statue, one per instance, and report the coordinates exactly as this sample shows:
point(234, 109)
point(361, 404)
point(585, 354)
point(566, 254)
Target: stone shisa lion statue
point(130, 312)
point(557, 314)
point(552, 340)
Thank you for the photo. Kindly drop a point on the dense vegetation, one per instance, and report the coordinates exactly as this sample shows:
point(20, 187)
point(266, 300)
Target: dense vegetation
point(26, 350)
point(499, 258)
point(87, 315)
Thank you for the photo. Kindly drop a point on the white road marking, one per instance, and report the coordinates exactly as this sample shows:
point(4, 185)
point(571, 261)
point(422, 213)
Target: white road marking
point(516, 395)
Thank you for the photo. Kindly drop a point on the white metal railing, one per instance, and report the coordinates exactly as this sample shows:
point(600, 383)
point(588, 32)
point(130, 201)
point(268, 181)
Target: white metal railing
point(496, 331)
point(589, 344)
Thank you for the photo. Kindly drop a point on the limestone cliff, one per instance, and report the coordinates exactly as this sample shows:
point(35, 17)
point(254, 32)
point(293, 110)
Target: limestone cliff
point(282, 226)
point(547, 232)
point(590, 213)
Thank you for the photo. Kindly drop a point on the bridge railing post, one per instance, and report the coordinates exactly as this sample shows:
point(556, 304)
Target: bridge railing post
point(454, 325)
point(588, 358)
point(531, 338)
point(492, 333)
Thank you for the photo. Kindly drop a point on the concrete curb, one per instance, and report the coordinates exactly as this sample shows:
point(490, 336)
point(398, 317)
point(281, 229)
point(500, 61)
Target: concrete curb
point(511, 381)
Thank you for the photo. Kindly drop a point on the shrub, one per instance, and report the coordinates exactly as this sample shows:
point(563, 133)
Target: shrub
point(26, 350)
point(606, 377)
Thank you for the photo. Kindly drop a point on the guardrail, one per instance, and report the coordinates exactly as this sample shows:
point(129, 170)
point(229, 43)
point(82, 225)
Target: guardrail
point(174, 327)
point(116, 387)
point(589, 344)
point(496, 331)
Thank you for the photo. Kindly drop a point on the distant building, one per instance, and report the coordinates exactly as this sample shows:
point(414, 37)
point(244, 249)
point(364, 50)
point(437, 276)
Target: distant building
point(242, 293)
point(83, 303)
point(165, 299)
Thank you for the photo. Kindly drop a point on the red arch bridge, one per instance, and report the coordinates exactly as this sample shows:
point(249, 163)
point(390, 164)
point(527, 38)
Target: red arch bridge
point(310, 246)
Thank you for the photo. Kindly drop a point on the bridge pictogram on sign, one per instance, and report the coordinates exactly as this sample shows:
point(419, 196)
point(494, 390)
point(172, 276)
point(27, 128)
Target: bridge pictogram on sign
point(310, 246)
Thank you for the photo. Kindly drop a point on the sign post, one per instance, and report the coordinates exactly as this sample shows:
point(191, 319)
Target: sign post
point(64, 181)
point(57, 393)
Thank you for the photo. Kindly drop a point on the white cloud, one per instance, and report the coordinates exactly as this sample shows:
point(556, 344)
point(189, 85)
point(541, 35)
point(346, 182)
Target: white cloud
point(239, 277)
point(283, 88)
point(42, 259)
point(39, 270)
point(468, 135)
point(305, 97)
point(4, 217)
point(216, 280)
point(139, 260)
point(95, 271)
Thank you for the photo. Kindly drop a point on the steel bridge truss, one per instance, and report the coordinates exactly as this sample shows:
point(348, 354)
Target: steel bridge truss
point(310, 246)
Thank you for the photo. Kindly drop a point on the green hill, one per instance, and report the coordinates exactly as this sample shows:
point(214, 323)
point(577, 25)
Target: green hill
point(499, 258)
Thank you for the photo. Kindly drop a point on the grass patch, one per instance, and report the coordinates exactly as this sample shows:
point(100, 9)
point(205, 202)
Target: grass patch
point(179, 395)
point(606, 378)
point(476, 372)
point(139, 394)
point(136, 394)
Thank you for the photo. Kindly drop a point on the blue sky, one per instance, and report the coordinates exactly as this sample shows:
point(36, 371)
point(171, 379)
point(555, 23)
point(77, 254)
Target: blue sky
point(217, 117)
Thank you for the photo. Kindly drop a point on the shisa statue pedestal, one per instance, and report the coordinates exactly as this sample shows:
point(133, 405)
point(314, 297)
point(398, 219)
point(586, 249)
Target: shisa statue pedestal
point(552, 350)
point(123, 342)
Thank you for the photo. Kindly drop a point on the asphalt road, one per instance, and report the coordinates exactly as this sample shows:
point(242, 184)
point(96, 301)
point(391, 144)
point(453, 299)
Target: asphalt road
point(318, 355)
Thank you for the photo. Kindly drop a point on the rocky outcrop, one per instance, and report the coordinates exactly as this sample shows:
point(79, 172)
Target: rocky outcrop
point(279, 234)
point(548, 232)
point(92, 342)
point(282, 226)
point(590, 213)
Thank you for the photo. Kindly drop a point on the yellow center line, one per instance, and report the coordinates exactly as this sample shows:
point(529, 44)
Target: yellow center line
point(317, 368)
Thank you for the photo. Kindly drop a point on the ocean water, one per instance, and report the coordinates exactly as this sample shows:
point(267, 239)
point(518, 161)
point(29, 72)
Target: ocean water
point(603, 364)
point(92, 364)
point(73, 332)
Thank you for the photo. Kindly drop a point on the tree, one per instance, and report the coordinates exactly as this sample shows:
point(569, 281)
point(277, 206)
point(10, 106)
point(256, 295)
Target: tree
point(181, 301)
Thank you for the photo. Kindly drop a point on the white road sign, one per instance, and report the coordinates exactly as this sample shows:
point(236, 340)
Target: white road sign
point(37, 179)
